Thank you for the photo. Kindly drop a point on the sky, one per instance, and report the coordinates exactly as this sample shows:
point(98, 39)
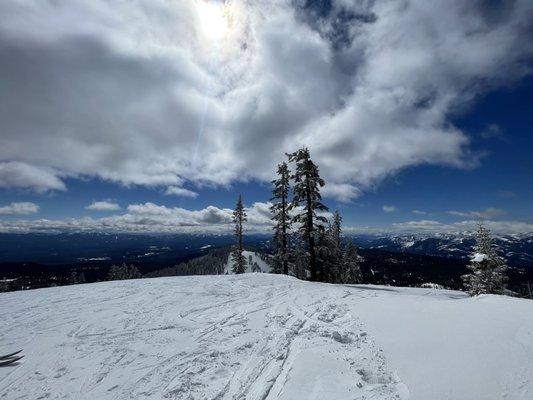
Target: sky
point(154, 115)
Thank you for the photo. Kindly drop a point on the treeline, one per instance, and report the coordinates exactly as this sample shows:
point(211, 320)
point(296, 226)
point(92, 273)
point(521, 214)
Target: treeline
point(213, 263)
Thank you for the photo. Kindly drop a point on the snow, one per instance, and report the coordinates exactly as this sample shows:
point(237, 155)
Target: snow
point(263, 266)
point(479, 257)
point(263, 336)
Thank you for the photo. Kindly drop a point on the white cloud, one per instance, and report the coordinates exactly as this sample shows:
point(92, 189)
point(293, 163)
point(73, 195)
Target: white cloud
point(389, 209)
point(179, 191)
point(103, 206)
point(343, 192)
point(419, 212)
point(487, 213)
point(500, 227)
point(134, 92)
point(153, 218)
point(21, 175)
point(421, 226)
point(20, 208)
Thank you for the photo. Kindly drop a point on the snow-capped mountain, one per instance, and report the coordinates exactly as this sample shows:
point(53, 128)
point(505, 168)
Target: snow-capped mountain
point(517, 249)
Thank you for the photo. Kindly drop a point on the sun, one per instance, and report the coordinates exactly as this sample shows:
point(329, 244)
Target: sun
point(213, 22)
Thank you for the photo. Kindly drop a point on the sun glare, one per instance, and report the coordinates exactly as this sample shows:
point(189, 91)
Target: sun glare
point(213, 22)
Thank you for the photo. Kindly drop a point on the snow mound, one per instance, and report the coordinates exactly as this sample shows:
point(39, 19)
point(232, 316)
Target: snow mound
point(479, 257)
point(263, 336)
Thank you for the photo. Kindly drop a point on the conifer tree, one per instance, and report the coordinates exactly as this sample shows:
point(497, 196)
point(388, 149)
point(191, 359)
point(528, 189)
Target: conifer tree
point(299, 256)
point(281, 218)
point(307, 184)
point(133, 272)
point(329, 250)
point(325, 255)
point(350, 270)
point(488, 269)
point(335, 243)
point(239, 217)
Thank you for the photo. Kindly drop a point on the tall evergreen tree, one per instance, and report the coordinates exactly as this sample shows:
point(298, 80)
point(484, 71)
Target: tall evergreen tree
point(488, 269)
point(335, 234)
point(281, 218)
point(329, 250)
point(307, 184)
point(239, 217)
point(325, 255)
point(299, 256)
point(350, 270)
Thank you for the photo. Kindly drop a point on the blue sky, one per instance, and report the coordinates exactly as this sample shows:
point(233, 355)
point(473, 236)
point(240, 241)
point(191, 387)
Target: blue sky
point(410, 130)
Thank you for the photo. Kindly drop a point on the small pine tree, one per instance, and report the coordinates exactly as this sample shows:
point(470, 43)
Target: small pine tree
point(117, 272)
point(307, 184)
point(350, 270)
point(73, 280)
point(255, 267)
point(133, 272)
point(281, 218)
point(488, 269)
point(239, 217)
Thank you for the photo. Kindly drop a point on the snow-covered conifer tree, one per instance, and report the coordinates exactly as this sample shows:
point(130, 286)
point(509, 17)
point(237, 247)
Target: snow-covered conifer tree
point(117, 272)
point(281, 218)
point(325, 255)
point(239, 217)
point(307, 184)
point(350, 270)
point(488, 269)
point(133, 272)
point(335, 241)
point(299, 256)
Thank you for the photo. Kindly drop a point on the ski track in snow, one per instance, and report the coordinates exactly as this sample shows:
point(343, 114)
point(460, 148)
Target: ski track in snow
point(254, 336)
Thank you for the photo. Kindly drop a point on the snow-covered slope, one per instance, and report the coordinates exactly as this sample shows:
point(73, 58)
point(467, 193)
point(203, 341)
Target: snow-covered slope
point(263, 266)
point(262, 336)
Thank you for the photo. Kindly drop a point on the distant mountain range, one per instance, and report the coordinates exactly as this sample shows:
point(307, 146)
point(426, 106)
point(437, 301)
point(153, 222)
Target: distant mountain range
point(41, 260)
point(517, 249)
point(165, 250)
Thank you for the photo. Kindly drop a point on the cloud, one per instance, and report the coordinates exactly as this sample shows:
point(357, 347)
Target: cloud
point(153, 218)
point(343, 192)
point(488, 213)
point(492, 131)
point(103, 206)
point(135, 93)
point(21, 175)
point(430, 226)
point(179, 191)
point(420, 226)
point(419, 212)
point(208, 219)
point(21, 208)
point(389, 209)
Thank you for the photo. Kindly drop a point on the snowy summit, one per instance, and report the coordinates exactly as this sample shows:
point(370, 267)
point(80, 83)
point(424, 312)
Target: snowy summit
point(263, 336)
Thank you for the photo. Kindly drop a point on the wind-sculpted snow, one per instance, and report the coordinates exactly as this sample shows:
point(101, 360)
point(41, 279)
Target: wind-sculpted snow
point(261, 337)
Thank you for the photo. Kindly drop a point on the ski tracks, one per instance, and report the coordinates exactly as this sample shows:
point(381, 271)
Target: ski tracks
point(253, 337)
